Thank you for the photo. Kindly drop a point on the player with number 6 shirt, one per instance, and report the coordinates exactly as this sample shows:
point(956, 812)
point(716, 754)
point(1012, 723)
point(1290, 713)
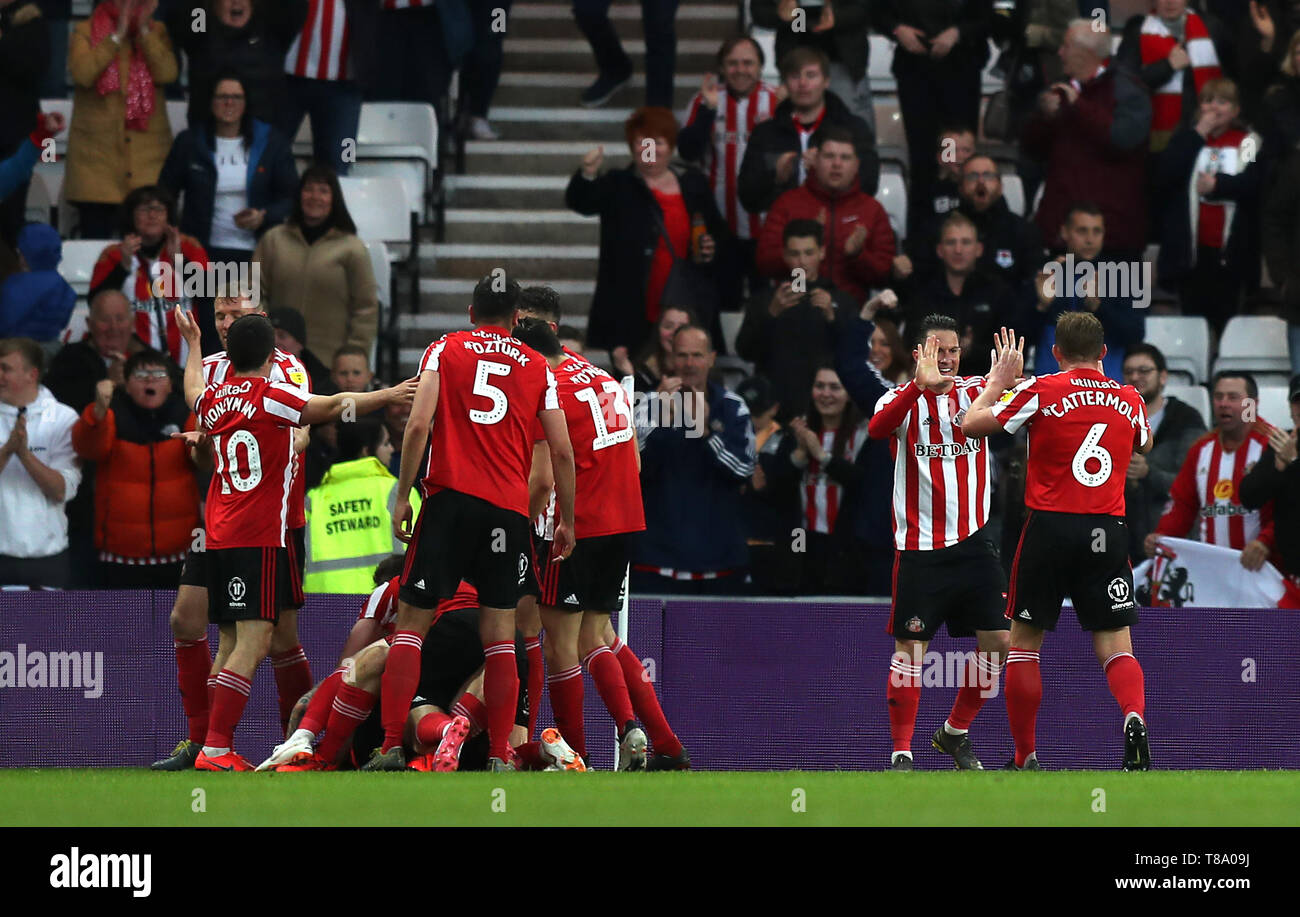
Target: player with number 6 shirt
point(1083, 429)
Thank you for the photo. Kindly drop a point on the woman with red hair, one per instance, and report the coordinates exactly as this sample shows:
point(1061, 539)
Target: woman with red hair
point(659, 232)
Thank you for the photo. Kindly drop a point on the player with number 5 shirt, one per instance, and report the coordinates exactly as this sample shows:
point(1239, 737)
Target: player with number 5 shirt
point(1083, 430)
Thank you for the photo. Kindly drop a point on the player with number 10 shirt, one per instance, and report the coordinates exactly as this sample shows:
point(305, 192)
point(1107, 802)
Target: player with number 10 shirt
point(480, 392)
point(1083, 430)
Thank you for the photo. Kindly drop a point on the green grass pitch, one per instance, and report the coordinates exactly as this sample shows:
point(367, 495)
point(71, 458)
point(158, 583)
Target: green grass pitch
point(56, 797)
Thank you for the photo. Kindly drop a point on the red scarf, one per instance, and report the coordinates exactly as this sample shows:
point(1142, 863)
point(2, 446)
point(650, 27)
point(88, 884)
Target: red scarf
point(1167, 100)
point(139, 81)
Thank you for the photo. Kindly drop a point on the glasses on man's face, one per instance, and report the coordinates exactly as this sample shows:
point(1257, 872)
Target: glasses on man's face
point(149, 375)
point(151, 208)
point(228, 98)
point(1139, 370)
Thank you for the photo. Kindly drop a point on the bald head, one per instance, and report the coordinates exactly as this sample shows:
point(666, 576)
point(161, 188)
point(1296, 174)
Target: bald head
point(1085, 47)
point(110, 323)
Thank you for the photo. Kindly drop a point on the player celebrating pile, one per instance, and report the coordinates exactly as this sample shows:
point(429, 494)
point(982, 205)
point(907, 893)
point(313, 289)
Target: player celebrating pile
point(479, 393)
point(250, 420)
point(1083, 430)
point(945, 568)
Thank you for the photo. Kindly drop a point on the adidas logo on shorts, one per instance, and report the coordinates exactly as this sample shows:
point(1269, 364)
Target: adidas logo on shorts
point(419, 584)
point(572, 599)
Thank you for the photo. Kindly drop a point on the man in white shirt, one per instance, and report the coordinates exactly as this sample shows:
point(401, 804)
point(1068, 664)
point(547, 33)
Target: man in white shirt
point(39, 471)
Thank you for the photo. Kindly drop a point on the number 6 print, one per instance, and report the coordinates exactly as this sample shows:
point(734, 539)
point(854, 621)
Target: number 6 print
point(1090, 449)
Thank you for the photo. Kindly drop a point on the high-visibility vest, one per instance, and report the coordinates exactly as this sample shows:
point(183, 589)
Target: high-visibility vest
point(350, 526)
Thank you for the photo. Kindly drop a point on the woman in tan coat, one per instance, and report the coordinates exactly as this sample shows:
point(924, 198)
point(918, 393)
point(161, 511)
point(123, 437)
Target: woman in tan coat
point(315, 263)
point(120, 59)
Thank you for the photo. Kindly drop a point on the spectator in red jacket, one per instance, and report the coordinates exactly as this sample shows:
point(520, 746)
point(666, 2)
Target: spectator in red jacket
point(146, 496)
point(146, 255)
point(1092, 131)
point(859, 243)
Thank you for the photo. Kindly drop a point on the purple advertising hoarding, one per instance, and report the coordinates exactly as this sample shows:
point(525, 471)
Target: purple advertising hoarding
point(753, 685)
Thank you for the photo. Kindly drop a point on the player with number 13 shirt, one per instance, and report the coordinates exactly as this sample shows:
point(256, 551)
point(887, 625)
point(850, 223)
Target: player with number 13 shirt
point(1083, 431)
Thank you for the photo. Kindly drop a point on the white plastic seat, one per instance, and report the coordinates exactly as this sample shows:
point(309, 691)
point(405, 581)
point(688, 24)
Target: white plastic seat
point(1185, 342)
point(731, 322)
point(78, 264)
point(891, 141)
point(383, 271)
point(1274, 406)
point(39, 203)
point(892, 195)
point(77, 326)
point(1013, 191)
point(178, 115)
point(379, 208)
point(64, 106)
point(1195, 395)
point(1256, 344)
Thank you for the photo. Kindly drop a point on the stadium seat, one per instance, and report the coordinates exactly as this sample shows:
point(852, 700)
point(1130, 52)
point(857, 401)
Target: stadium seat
point(1274, 406)
point(879, 64)
point(52, 174)
point(40, 206)
point(79, 257)
point(384, 281)
point(893, 197)
point(1195, 395)
point(1185, 342)
point(731, 322)
point(76, 327)
point(401, 131)
point(379, 208)
point(891, 142)
point(1013, 190)
point(178, 115)
point(1256, 344)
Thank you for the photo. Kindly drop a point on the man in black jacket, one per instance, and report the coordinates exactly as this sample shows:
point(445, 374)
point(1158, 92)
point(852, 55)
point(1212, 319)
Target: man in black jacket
point(1175, 425)
point(24, 57)
point(788, 331)
point(249, 37)
point(1276, 478)
point(1013, 247)
point(837, 28)
point(774, 160)
point(941, 52)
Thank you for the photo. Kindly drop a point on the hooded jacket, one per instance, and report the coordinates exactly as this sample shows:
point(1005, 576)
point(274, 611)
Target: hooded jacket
point(146, 495)
point(44, 528)
point(845, 211)
point(37, 303)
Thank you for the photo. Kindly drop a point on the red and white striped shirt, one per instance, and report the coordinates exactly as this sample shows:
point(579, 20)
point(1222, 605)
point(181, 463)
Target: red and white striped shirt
point(822, 497)
point(320, 52)
point(381, 605)
point(1208, 486)
point(732, 126)
point(941, 478)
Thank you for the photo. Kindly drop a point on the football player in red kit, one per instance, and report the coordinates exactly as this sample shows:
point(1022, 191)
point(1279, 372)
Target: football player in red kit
point(579, 596)
point(250, 421)
point(479, 393)
point(189, 617)
point(1083, 430)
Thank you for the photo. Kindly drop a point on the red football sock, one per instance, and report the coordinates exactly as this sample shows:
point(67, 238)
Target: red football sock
point(318, 709)
point(212, 686)
point(473, 710)
point(608, 676)
point(1024, 690)
point(904, 696)
point(644, 702)
point(565, 689)
point(193, 663)
point(292, 681)
point(429, 730)
point(530, 754)
point(401, 679)
point(536, 679)
point(981, 683)
point(351, 706)
point(1124, 675)
point(501, 694)
point(228, 699)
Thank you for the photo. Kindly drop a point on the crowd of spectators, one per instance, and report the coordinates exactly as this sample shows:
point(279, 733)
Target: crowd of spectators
point(1168, 140)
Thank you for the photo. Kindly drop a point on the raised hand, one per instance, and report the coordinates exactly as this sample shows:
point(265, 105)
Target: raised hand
point(709, 90)
point(188, 327)
point(927, 366)
point(592, 161)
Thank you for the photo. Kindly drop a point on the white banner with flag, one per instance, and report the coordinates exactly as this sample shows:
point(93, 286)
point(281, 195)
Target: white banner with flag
point(1191, 574)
